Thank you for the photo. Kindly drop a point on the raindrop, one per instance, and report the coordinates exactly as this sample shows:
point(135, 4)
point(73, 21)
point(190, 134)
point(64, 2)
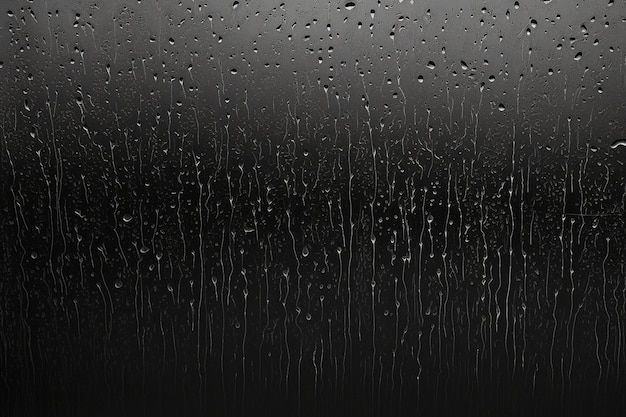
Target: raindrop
point(578, 56)
point(118, 283)
point(430, 65)
point(127, 218)
point(618, 143)
point(350, 5)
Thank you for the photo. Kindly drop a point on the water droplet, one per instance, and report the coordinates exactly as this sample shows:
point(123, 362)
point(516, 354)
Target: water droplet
point(430, 65)
point(617, 143)
point(118, 283)
point(501, 107)
point(350, 5)
point(127, 218)
point(578, 56)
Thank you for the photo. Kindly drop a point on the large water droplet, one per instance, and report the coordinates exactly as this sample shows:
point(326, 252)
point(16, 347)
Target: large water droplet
point(617, 143)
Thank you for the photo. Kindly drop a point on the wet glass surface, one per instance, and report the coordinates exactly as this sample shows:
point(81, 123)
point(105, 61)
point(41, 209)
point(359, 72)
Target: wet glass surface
point(312, 208)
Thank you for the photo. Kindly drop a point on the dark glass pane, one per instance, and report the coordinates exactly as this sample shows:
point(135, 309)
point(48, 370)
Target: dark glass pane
point(312, 208)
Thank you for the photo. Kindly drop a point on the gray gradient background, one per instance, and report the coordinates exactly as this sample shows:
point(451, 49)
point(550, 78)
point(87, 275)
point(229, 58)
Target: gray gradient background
point(286, 208)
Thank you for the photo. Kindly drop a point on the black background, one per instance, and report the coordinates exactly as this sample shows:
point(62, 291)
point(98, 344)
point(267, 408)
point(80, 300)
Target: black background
point(309, 208)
